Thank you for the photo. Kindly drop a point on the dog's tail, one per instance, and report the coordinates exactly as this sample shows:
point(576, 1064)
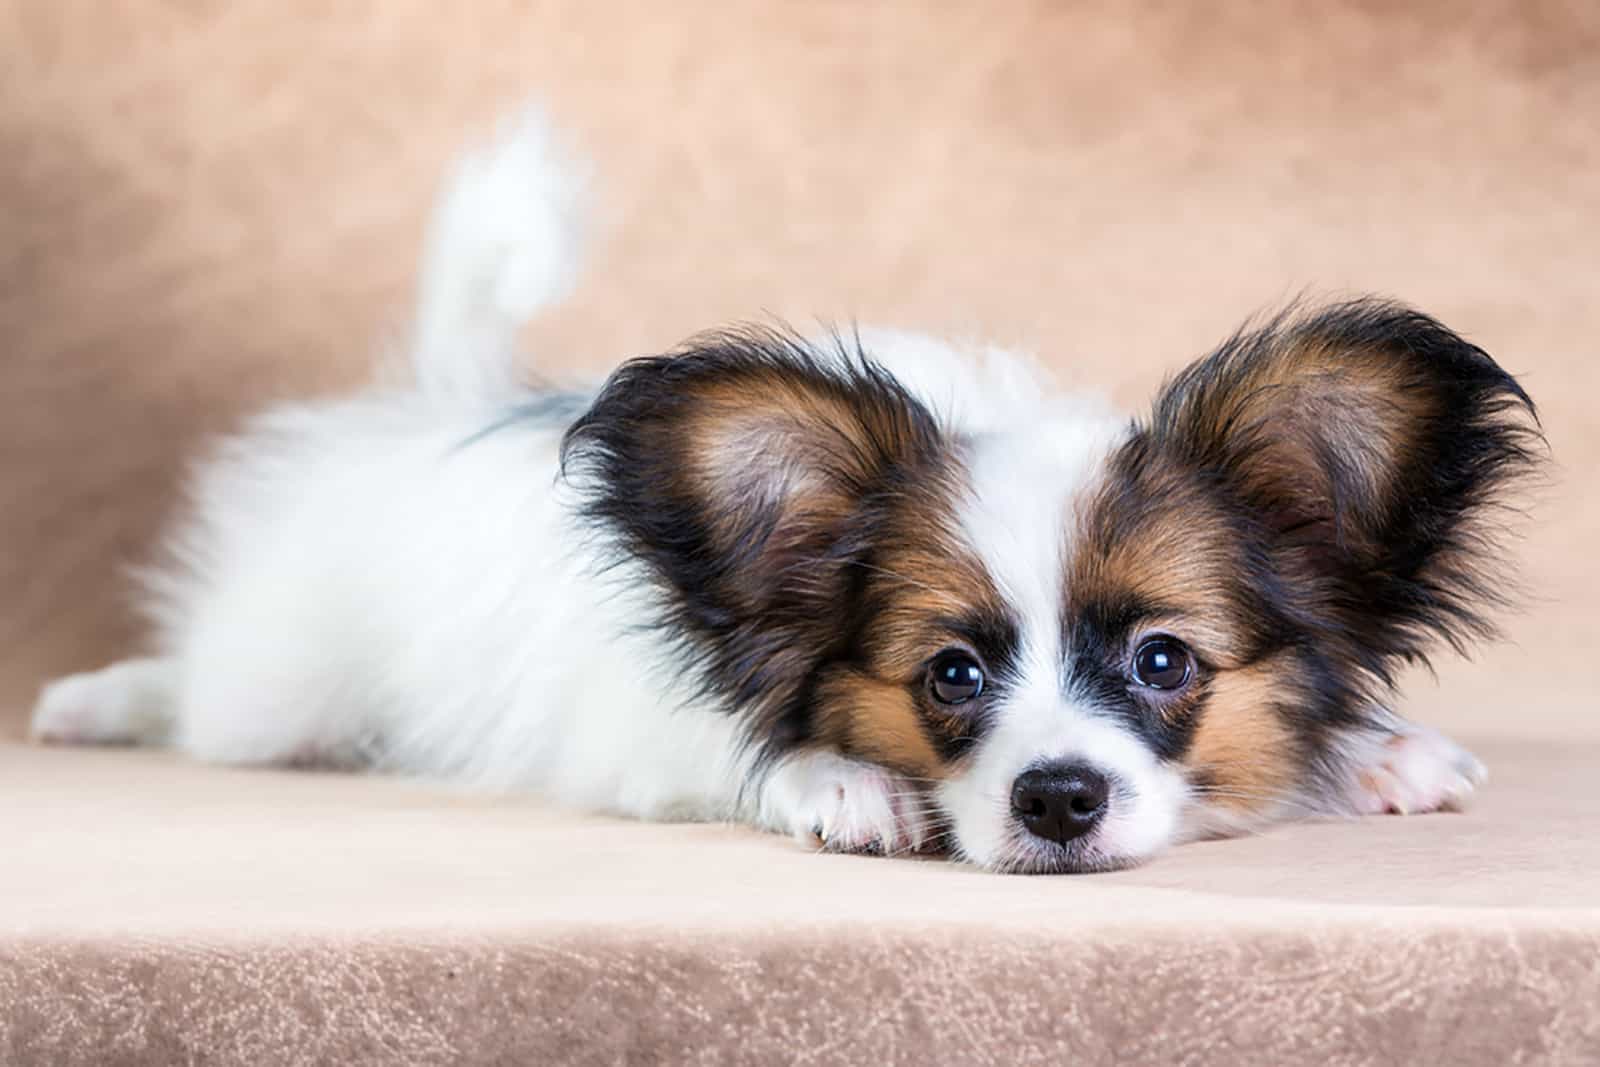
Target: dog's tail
point(504, 242)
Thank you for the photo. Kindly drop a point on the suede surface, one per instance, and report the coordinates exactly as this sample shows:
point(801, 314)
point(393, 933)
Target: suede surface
point(208, 206)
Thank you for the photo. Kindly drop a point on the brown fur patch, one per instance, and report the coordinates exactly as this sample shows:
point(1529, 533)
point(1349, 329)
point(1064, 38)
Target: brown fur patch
point(1243, 754)
point(878, 721)
point(1316, 411)
point(1151, 543)
point(924, 578)
point(800, 448)
point(1314, 424)
point(926, 592)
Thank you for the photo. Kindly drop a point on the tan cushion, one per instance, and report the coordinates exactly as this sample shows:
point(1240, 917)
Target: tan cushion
point(155, 905)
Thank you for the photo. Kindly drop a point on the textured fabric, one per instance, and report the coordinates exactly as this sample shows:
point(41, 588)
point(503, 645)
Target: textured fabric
point(205, 206)
point(1486, 994)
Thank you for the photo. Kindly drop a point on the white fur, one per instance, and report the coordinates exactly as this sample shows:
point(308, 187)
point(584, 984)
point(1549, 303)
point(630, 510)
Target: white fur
point(505, 241)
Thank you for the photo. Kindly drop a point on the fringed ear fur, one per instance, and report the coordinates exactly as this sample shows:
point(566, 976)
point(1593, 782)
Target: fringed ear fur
point(737, 468)
point(1372, 445)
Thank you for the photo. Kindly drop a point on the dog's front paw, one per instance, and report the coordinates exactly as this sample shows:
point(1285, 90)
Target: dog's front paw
point(1417, 770)
point(847, 806)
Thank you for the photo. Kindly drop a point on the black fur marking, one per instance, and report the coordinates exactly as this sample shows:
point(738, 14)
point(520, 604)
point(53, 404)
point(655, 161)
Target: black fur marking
point(1098, 649)
point(955, 731)
point(994, 637)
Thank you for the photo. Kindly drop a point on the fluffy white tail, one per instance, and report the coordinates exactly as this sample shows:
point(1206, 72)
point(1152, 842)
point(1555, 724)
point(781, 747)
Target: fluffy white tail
point(503, 243)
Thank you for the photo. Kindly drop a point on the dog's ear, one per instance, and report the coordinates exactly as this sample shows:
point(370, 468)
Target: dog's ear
point(1369, 446)
point(737, 468)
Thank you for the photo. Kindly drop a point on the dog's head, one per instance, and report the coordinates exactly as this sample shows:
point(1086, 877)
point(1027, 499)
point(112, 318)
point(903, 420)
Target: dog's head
point(1088, 638)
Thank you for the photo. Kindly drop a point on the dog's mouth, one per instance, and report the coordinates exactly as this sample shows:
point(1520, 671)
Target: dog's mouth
point(1033, 856)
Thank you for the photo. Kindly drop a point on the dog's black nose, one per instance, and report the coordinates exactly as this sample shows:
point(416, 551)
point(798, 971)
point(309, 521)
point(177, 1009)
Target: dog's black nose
point(1060, 802)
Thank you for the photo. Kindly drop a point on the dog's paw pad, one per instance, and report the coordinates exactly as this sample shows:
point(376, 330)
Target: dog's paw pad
point(1416, 771)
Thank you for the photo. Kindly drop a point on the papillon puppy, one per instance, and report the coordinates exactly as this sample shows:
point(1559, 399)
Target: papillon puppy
point(865, 589)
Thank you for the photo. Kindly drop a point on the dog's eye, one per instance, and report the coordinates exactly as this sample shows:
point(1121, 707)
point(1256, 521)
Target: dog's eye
point(955, 677)
point(1162, 663)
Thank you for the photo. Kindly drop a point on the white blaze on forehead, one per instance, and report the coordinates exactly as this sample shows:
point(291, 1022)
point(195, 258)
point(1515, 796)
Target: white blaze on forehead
point(1019, 520)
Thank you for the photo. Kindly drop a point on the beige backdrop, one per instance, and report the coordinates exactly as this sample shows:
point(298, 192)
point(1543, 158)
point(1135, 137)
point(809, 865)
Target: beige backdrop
point(206, 205)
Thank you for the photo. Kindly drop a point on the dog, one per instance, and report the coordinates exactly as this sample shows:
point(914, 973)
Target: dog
point(866, 589)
